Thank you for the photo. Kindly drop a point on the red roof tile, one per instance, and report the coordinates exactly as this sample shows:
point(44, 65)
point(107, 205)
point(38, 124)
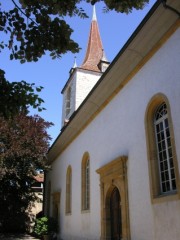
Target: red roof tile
point(39, 178)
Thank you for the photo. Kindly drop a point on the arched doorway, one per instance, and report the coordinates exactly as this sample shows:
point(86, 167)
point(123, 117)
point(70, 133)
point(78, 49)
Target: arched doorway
point(115, 215)
point(114, 200)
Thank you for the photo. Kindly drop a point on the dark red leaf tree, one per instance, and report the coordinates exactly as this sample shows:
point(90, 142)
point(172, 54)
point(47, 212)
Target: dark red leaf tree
point(24, 142)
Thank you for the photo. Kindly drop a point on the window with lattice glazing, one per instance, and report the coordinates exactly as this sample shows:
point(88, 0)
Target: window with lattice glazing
point(164, 150)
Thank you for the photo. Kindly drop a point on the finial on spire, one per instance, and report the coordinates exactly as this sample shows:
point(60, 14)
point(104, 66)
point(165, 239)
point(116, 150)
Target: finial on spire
point(94, 18)
point(75, 64)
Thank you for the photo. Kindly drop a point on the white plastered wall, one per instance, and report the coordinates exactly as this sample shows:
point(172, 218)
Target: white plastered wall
point(81, 83)
point(85, 81)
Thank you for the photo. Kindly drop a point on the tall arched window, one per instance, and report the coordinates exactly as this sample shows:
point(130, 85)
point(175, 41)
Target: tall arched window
point(86, 182)
point(164, 150)
point(68, 190)
point(163, 165)
point(87, 185)
point(68, 100)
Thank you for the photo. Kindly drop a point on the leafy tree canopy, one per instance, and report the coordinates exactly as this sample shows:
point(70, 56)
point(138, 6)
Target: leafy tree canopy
point(17, 97)
point(34, 27)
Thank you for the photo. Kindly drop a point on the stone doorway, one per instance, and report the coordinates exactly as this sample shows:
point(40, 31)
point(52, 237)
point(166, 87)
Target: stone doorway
point(114, 200)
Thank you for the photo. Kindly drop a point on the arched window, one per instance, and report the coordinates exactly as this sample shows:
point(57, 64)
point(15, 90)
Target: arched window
point(86, 182)
point(68, 190)
point(87, 185)
point(164, 150)
point(68, 100)
point(163, 166)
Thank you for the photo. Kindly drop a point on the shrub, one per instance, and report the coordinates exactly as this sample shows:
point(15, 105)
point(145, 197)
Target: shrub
point(45, 226)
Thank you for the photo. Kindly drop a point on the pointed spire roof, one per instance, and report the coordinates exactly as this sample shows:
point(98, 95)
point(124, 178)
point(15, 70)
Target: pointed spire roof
point(94, 52)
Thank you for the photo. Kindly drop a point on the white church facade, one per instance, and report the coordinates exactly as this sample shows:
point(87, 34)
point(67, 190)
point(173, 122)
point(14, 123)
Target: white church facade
point(115, 166)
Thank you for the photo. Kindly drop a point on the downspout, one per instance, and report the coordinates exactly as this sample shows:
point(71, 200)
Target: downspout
point(44, 193)
point(169, 7)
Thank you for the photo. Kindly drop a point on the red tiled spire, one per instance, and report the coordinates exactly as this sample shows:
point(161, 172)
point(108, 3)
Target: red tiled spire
point(94, 50)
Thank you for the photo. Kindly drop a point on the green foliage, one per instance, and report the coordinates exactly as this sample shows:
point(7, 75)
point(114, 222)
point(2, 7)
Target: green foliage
point(34, 27)
point(41, 227)
point(45, 226)
point(17, 97)
point(122, 6)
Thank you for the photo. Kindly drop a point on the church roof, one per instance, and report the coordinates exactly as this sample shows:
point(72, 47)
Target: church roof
point(94, 52)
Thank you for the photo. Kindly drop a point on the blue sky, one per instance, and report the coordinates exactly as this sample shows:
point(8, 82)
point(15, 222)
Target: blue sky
point(115, 30)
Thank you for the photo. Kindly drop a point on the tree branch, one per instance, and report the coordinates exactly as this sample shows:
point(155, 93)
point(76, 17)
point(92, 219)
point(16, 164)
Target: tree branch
point(23, 12)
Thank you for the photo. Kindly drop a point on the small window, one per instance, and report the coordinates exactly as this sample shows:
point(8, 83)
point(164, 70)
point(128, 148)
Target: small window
point(68, 101)
point(68, 190)
point(86, 183)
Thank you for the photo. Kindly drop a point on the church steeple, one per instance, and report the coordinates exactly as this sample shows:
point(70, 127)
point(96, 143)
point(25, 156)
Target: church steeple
point(94, 52)
point(82, 79)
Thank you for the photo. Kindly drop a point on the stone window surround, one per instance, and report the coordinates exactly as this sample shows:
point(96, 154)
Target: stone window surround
point(156, 196)
point(69, 190)
point(84, 207)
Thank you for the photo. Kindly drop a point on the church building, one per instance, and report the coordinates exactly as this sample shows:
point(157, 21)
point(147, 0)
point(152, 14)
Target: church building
point(115, 166)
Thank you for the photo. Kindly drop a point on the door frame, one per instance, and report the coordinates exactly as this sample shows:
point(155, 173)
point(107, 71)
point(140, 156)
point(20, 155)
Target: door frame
point(114, 174)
